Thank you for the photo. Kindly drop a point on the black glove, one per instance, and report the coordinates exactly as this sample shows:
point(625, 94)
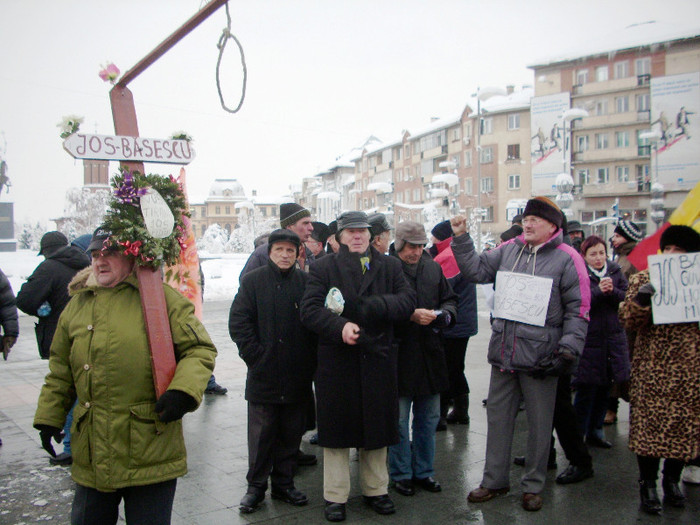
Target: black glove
point(559, 363)
point(174, 404)
point(643, 297)
point(8, 341)
point(47, 432)
point(371, 309)
point(443, 320)
point(371, 343)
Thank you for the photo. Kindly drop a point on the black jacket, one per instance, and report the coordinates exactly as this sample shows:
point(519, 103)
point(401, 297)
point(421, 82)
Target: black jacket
point(356, 386)
point(49, 282)
point(422, 365)
point(8, 310)
point(265, 325)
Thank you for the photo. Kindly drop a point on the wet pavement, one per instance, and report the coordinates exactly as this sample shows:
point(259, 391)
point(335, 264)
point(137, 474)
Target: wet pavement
point(33, 491)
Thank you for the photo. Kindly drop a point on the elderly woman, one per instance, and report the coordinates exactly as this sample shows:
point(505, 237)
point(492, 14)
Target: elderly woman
point(665, 384)
point(605, 357)
point(125, 442)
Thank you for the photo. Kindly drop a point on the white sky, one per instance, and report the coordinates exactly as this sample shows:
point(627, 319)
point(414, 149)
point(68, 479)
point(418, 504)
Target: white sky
point(322, 76)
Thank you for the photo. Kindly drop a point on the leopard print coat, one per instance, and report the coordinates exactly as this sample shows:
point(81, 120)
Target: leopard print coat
point(665, 382)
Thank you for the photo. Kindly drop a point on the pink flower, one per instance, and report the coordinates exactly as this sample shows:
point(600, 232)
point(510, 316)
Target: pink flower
point(109, 73)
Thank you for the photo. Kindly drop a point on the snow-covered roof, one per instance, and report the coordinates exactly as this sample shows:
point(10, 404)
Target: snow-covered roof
point(228, 189)
point(439, 123)
point(270, 199)
point(519, 99)
point(651, 33)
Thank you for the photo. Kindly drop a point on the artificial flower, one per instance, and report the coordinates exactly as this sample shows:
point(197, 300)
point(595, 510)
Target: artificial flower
point(69, 124)
point(109, 73)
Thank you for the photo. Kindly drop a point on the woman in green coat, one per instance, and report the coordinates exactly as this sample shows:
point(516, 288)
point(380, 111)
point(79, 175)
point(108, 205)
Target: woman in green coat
point(126, 444)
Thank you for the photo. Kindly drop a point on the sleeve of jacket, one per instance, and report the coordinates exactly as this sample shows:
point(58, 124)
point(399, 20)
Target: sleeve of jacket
point(36, 290)
point(242, 322)
point(8, 310)
point(401, 302)
point(575, 292)
point(314, 315)
point(633, 315)
point(448, 299)
point(195, 352)
point(619, 291)
point(257, 259)
point(475, 268)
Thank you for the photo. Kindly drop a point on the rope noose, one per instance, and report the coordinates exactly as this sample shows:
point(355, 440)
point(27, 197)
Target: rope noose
point(223, 39)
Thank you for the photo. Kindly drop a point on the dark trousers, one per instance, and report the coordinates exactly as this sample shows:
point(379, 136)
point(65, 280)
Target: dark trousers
point(152, 504)
point(566, 425)
point(649, 468)
point(455, 353)
point(274, 435)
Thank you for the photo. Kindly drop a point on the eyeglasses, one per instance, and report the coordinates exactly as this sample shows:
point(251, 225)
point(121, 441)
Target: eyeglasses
point(532, 220)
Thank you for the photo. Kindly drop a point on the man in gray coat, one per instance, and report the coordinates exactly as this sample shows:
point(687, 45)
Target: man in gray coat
point(541, 312)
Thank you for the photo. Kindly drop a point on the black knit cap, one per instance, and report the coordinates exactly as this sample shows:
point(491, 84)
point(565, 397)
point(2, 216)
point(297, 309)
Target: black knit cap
point(291, 212)
point(544, 208)
point(629, 230)
point(283, 235)
point(442, 230)
point(320, 232)
point(684, 237)
point(51, 241)
point(378, 223)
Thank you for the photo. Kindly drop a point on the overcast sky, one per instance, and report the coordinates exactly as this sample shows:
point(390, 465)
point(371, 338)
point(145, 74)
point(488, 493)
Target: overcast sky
point(322, 76)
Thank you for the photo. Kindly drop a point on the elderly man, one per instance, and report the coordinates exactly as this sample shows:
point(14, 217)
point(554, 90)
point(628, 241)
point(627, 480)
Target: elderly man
point(352, 301)
point(280, 355)
point(422, 365)
point(381, 232)
point(527, 353)
point(126, 443)
point(317, 240)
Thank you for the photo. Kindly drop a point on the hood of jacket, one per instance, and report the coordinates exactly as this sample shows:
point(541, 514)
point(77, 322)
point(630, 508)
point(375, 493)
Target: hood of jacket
point(71, 256)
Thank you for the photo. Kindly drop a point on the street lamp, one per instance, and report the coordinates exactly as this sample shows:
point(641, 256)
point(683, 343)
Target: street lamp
point(657, 189)
point(564, 181)
point(481, 94)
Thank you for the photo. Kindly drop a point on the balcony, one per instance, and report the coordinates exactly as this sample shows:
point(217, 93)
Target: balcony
point(644, 115)
point(608, 86)
point(628, 118)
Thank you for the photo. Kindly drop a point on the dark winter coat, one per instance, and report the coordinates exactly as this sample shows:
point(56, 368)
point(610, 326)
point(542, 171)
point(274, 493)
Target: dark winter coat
point(261, 255)
point(605, 358)
point(519, 346)
point(49, 282)
point(356, 386)
point(264, 323)
point(8, 310)
point(422, 365)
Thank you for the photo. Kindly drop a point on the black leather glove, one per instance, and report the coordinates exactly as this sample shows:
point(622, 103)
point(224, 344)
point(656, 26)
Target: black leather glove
point(643, 297)
point(443, 320)
point(559, 363)
point(174, 404)
point(47, 432)
point(371, 309)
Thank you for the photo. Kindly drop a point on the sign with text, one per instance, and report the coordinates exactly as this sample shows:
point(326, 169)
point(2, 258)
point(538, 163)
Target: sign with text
point(521, 297)
point(134, 149)
point(676, 279)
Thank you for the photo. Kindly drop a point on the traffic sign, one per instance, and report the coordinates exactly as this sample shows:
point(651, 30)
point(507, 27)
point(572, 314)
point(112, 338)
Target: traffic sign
point(134, 149)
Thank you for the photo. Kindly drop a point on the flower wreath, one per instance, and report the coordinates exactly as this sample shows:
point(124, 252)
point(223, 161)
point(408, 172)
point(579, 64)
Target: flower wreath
point(125, 219)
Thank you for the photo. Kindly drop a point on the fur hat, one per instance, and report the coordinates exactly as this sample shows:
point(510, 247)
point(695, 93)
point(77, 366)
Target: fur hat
point(51, 241)
point(411, 232)
point(629, 230)
point(283, 235)
point(544, 208)
point(291, 212)
point(442, 230)
point(684, 237)
point(379, 223)
point(320, 232)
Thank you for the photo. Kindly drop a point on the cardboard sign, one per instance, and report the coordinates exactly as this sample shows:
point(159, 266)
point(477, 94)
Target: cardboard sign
point(156, 214)
point(521, 297)
point(676, 279)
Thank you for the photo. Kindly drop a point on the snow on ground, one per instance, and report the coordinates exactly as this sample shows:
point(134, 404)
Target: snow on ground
point(221, 272)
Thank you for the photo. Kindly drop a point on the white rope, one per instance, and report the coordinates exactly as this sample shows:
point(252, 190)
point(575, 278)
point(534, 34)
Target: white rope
point(225, 35)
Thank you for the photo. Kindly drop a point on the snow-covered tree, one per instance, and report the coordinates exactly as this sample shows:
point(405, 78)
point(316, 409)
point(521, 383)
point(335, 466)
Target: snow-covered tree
point(85, 210)
point(29, 235)
point(214, 240)
point(240, 241)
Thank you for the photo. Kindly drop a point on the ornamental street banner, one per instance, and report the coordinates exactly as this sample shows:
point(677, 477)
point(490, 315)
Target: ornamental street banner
point(676, 279)
point(547, 146)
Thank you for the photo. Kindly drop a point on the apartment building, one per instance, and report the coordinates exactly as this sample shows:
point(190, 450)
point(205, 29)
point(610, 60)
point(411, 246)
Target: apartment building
point(652, 84)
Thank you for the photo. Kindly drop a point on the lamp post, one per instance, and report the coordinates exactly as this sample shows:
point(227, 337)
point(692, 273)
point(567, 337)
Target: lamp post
point(657, 189)
point(481, 94)
point(564, 181)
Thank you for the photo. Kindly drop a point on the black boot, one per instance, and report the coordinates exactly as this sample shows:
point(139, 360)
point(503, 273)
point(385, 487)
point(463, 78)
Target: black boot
point(444, 407)
point(649, 496)
point(672, 493)
point(460, 410)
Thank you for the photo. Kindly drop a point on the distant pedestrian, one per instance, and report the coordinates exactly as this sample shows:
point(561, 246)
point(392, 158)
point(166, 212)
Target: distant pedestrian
point(381, 232)
point(8, 317)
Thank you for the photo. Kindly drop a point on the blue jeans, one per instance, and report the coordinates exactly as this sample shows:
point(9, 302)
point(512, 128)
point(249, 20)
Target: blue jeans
point(66, 430)
point(415, 459)
point(591, 403)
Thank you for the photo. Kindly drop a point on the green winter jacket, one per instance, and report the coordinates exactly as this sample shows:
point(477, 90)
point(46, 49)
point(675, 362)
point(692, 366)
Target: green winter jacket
point(100, 355)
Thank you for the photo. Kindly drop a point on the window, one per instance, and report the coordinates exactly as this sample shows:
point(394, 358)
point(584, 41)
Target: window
point(513, 121)
point(581, 76)
point(513, 151)
point(488, 214)
point(397, 154)
point(581, 143)
point(486, 126)
point(456, 134)
point(407, 150)
point(204, 229)
point(455, 159)
point(622, 139)
point(601, 140)
point(204, 212)
point(426, 167)
point(622, 69)
point(468, 158)
point(601, 107)
point(263, 211)
point(622, 104)
point(643, 102)
point(467, 129)
point(427, 142)
point(642, 66)
point(217, 210)
point(407, 174)
point(603, 176)
point(623, 173)
point(601, 73)
point(468, 190)
point(583, 176)
point(486, 184)
point(407, 196)
point(386, 156)
point(228, 210)
point(193, 212)
point(417, 197)
point(513, 182)
point(486, 155)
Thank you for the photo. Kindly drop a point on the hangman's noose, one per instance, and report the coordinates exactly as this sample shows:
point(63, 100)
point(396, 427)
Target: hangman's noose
point(225, 35)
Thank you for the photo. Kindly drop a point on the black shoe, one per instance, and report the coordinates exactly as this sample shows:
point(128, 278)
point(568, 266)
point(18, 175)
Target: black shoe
point(290, 495)
point(649, 497)
point(593, 441)
point(62, 459)
point(430, 484)
point(574, 474)
point(404, 487)
point(334, 511)
point(551, 463)
point(672, 493)
point(314, 439)
point(216, 390)
point(250, 502)
point(380, 504)
point(306, 460)
point(460, 411)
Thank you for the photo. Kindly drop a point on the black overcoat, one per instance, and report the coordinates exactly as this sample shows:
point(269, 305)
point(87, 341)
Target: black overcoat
point(422, 365)
point(356, 386)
